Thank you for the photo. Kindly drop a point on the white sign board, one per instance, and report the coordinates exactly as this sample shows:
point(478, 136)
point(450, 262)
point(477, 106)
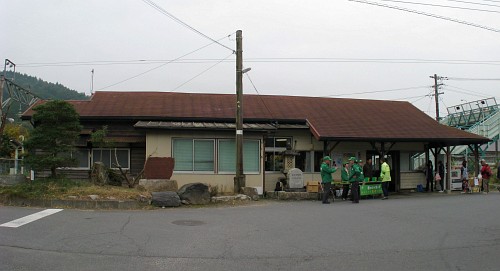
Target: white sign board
point(295, 178)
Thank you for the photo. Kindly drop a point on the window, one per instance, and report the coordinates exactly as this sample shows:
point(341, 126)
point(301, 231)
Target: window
point(309, 161)
point(193, 154)
point(81, 156)
point(227, 156)
point(112, 157)
point(203, 155)
point(274, 147)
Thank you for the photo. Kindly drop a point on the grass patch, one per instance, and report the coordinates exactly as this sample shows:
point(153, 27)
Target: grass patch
point(64, 189)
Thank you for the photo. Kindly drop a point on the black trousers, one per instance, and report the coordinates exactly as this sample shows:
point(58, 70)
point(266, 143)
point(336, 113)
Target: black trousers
point(345, 191)
point(431, 182)
point(326, 191)
point(385, 188)
point(355, 192)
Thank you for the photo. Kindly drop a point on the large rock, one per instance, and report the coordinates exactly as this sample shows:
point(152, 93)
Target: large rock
point(195, 193)
point(158, 185)
point(165, 199)
point(250, 192)
point(99, 174)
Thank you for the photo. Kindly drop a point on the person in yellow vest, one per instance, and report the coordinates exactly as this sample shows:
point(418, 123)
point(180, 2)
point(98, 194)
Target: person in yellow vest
point(385, 177)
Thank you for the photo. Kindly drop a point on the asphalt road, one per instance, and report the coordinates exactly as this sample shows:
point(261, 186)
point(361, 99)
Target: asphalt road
point(425, 232)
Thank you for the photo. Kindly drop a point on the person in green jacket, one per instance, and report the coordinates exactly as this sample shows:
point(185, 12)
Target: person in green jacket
point(326, 177)
point(345, 181)
point(356, 176)
point(385, 177)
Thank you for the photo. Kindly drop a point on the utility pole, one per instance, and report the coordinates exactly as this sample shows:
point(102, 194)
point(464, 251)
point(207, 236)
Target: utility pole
point(92, 83)
point(436, 92)
point(239, 180)
point(436, 96)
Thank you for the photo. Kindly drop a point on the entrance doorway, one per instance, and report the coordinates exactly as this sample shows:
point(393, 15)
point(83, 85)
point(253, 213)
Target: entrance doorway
point(393, 159)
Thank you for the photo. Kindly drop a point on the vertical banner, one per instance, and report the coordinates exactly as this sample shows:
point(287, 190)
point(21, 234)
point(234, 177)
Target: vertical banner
point(348, 155)
point(337, 158)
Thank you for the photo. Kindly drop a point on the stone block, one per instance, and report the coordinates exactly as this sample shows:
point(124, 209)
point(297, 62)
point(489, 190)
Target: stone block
point(158, 185)
point(250, 191)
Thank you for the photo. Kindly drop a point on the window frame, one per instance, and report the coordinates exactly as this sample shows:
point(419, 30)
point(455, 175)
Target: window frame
point(193, 171)
point(216, 156)
point(275, 151)
point(111, 150)
point(259, 162)
point(89, 160)
point(314, 161)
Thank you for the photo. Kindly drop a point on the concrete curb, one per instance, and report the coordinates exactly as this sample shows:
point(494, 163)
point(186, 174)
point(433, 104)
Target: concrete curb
point(137, 205)
point(76, 204)
point(282, 195)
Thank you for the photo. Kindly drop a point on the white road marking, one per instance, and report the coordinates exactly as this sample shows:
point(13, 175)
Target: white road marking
point(30, 218)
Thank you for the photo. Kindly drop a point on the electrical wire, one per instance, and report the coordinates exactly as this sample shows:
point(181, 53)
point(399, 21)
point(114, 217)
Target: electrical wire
point(209, 68)
point(179, 21)
point(473, 79)
point(409, 98)
point(427, 14)
point(265, 60)
point(419, 99)
point(260, 97)
point(430, 104)
point(370, 60)
point(468, 91)
point(475, 3)
point(377, 91)
point(441, 6)
point(157, 67)
point(442, 101)
point(413, 97)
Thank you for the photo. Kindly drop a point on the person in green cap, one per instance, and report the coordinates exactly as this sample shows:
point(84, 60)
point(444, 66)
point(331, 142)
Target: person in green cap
point(326, 177)
point(345, 180)
point(356, 176)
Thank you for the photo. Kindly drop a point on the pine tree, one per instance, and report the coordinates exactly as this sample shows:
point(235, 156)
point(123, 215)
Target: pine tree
point(57, 127)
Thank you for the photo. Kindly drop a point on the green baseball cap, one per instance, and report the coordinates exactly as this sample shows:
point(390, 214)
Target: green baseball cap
point(352, 159)
point(327, 158)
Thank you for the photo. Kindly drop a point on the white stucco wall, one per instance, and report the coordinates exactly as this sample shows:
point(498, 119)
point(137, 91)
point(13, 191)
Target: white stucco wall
point(159, 144)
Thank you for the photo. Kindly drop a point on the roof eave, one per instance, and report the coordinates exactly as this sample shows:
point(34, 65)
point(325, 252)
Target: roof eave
point(432, 141)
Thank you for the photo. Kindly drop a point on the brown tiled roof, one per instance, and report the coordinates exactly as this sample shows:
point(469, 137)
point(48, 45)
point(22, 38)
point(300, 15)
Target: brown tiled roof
point(328, 118)
point(214, 125)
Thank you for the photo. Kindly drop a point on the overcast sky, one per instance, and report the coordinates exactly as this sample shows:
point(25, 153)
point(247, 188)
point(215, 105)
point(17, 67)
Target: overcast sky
point(327, 48)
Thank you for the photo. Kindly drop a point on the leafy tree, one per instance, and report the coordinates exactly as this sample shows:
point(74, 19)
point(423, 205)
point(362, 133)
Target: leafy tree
point(99, 140)
point(6, 148)
point(57, 127)
point(15, 132)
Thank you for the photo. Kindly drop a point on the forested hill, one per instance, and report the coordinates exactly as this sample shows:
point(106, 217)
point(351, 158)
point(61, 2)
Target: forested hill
point(41, 88)
point(44, 89)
